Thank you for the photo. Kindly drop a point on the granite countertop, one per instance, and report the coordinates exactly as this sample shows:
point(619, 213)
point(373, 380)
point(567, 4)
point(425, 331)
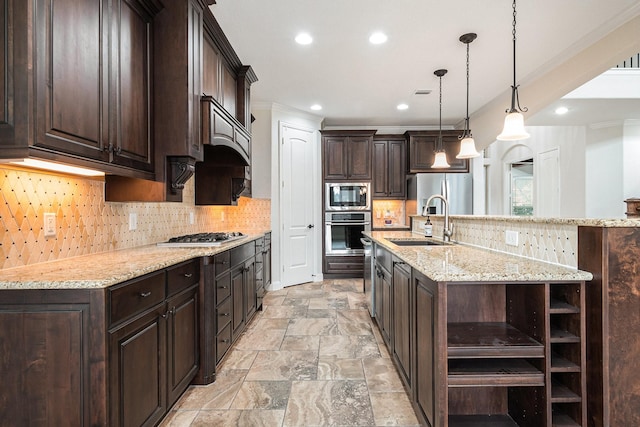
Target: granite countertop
point(583, 222)
point(458, 262)
point(107, 268)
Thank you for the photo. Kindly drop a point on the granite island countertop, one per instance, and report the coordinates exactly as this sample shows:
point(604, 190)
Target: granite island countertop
point(458, 262)
point(105, 269)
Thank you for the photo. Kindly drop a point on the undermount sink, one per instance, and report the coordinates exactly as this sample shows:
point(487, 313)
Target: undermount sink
point(417, 242)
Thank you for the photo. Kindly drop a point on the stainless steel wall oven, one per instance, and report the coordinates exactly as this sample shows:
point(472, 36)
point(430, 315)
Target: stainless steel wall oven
point(343, 231)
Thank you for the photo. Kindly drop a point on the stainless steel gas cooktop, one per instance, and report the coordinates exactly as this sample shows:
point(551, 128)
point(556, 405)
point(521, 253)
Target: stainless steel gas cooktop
point(202, 240)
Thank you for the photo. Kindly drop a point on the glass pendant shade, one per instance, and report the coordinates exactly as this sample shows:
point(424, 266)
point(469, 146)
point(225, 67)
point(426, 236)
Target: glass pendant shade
point(467, 148)
point(440, 160)
point(513, 128)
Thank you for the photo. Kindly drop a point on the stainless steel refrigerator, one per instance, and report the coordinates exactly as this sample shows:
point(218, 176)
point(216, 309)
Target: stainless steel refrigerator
point(456, 187)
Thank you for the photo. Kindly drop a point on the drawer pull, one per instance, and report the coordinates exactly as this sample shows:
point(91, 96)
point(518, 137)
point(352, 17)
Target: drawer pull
point(188, 275)
point(145, 294)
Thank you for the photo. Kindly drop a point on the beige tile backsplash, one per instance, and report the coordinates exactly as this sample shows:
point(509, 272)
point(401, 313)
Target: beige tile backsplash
point(555, 243)
point(86, 224)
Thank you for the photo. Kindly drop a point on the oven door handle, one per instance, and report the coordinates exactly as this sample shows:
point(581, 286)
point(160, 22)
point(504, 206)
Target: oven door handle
point(347, 223)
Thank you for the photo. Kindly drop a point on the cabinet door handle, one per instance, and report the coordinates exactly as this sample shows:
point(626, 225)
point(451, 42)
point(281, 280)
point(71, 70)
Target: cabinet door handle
point(188, 275)
point(145, 294)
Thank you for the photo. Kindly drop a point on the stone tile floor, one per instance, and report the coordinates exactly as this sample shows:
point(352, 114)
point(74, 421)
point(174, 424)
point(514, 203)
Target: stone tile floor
point(312, 357)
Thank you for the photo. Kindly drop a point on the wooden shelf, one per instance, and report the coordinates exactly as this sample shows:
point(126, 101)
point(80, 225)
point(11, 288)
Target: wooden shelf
point(562, 394)
point(490, 339)
point(494, 372)
point(481, 421)
point(560, 364)
point(563, 420)
point(560, 307)
point(562, 336)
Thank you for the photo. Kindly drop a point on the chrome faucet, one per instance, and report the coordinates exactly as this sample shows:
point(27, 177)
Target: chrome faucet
point(448, 231)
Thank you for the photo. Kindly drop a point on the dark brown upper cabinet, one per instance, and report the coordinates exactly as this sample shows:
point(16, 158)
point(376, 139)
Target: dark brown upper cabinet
point(178, 87)
point(347, 155)
point(389, 167)
point(75, 93)
point(422, 147)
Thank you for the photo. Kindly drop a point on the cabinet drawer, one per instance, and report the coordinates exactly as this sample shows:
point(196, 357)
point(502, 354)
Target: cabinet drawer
point(223, 342)
point(221, 261)
point(130, 298)
point(223, 287)
point(242, 253)
point(224, 314)
point(182, 276)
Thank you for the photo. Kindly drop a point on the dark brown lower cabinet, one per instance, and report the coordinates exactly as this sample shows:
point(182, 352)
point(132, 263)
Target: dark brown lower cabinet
point(485, 353)
point(402, 321)
point(116, 356)
point(228, 303)
point(52, 341)
point(426, 392)
point(182, 342)
point(137, 374)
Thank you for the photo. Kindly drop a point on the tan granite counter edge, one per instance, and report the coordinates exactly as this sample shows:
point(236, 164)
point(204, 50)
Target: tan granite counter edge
point(462, 263)
point(105, 269)
point(584, 222)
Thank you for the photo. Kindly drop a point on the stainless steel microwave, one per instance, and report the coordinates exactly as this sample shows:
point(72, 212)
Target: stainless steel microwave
point(347, 196)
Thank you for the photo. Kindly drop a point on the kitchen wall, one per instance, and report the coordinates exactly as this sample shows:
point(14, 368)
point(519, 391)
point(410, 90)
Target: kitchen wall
point(86, 224)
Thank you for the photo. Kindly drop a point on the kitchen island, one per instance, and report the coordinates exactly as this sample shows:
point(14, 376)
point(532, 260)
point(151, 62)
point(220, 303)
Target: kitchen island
point(115, 338)
point(481, 337)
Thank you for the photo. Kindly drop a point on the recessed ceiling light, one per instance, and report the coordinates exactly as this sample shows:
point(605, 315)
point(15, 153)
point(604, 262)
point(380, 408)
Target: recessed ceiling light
point(562, 110)
point(402, 107)
point(304, 38)
point(377, 38)
point(316, 107)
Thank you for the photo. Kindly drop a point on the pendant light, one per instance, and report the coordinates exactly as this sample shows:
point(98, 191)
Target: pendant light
point(467, 144)
point(440, 160)
point(514, 121)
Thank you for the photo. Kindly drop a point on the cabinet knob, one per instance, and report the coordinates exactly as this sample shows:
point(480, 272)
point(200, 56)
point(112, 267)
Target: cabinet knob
point(226, 314)
point(223, 287)
point(225, 341)
point(145, 294)
point(188, 275)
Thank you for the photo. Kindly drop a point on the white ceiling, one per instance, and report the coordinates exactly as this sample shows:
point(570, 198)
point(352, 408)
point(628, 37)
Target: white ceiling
point(359, 84)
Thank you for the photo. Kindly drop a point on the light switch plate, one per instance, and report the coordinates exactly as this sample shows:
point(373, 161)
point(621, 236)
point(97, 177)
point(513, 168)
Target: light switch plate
point(511, 238)
point(133, 221)
point(49, 224)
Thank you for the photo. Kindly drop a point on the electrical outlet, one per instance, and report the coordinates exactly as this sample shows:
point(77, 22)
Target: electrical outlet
point(511, 238)
point(133, 221)
point(49, 224)
point(192, 218)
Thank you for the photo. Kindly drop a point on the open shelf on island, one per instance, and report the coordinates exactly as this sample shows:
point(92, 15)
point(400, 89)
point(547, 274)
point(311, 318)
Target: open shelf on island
point(561, 307)
point(563, 420)
point(563, 394)
point(494, 372)
point(490, 339)
point(481, 421)
point(559, 335)
point(560, 364)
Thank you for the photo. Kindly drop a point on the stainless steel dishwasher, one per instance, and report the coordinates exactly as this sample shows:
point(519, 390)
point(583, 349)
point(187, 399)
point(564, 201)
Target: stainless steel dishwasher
point(368, 274)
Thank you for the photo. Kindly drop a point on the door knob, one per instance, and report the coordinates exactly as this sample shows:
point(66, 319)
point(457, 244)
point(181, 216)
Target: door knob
point(310, 226)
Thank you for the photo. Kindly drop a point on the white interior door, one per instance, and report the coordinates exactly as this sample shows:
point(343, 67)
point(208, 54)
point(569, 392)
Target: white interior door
point(548, 184)
point(298, 204)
